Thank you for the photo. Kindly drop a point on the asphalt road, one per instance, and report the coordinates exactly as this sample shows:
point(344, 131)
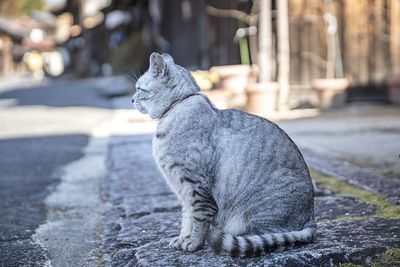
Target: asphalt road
point(42, 128)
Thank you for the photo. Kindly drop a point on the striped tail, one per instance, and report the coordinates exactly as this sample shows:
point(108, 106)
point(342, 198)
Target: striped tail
point(256, 245)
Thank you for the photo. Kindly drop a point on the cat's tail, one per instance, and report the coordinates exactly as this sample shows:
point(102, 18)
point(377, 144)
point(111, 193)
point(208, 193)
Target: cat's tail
point(256, 245)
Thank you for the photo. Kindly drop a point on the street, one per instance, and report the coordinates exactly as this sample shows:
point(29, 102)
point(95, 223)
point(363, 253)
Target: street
point(43, 128)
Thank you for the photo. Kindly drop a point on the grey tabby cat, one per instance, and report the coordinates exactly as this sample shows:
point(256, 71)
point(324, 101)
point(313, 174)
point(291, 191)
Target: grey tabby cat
point(238, 175)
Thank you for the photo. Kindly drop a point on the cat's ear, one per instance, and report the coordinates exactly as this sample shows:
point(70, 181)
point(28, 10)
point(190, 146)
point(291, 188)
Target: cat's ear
point(167, 58)
point(157, 64)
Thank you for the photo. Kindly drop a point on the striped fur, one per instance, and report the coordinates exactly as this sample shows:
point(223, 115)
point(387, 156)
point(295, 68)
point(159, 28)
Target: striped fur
point(257, 245)
point(231, 171)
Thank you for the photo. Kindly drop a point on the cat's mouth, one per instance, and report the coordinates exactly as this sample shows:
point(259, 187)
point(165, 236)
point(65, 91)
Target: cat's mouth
point(140, 108)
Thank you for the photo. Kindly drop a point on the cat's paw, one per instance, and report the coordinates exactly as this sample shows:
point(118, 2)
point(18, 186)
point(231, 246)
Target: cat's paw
point(190, 245)
point(176, 242)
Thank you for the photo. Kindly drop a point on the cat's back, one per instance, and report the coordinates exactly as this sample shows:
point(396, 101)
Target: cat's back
point(235, 123)
point(238, 121)
point(254, 139)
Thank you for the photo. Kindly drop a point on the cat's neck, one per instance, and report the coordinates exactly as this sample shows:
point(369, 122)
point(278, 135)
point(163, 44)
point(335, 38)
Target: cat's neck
point(176, 102)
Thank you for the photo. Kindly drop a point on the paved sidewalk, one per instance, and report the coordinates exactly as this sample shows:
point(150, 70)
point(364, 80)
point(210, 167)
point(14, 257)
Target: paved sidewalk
point(357, 209)
point(364, 135)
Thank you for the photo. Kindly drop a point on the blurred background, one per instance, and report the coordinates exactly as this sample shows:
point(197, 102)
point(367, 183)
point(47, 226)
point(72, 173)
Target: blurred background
point(307, 46)
point(71, 146)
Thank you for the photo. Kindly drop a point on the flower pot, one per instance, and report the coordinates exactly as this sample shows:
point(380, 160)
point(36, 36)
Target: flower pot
point(262, 98)
point(219, 97)
point(331, 92)
point(232, 77)
point(393, 86)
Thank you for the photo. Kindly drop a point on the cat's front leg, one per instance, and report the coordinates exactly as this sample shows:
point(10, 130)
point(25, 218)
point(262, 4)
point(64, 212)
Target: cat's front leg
point(202, 213)
point(197, 238)
point(186, 228)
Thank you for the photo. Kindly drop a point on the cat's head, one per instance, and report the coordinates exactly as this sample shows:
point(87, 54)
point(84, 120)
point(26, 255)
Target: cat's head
point(162, 84)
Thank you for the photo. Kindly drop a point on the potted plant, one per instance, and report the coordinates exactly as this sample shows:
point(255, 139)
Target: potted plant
point(239, 81)
point(262, 98)
point(232, 81)
point(262, 94)
point(206, 81)
point(393, 87)
point(331, 91)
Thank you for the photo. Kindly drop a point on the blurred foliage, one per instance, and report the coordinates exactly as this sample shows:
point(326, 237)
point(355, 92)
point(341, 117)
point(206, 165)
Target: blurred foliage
point(205, 79)
point(20, 7)
point(27, 6)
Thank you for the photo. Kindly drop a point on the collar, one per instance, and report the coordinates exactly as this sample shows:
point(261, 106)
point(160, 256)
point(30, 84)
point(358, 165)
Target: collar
point(176, 102)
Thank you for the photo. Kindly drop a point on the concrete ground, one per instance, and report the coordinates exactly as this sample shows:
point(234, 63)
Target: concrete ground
point(353, 156)
point(364, 135)
point(51, 158)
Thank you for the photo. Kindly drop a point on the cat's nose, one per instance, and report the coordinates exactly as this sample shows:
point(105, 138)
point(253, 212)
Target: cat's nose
point(133, 100)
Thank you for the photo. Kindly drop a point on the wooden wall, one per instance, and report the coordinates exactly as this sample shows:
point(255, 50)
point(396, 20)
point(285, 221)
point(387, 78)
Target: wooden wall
point(369, 37)
point(368, 33)
point(200, 40)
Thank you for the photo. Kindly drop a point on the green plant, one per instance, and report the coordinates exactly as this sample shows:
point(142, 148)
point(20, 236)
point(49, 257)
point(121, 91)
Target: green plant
point(205, 79)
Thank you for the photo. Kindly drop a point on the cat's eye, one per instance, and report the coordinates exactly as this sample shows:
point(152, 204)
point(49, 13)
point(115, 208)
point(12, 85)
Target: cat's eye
point(140, 89)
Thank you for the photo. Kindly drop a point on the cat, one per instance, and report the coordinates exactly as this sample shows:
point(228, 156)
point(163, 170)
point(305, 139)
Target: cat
point(240, 179)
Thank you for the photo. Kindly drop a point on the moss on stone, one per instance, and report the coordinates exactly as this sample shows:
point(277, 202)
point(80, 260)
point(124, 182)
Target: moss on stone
point(348, 265)
point(395, 175)
point(390, 257)
point(343, 188)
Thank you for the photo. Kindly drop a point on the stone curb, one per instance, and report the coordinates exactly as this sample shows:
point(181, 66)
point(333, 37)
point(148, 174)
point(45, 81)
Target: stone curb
point(384, 186)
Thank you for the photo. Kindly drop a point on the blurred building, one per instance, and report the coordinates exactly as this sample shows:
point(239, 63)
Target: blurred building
point(102, 37)
point(123, 33)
